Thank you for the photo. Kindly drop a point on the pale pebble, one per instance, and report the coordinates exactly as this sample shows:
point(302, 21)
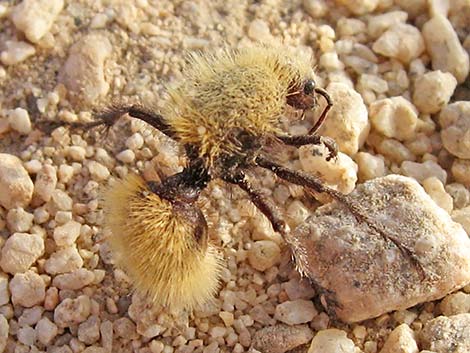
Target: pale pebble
point(135, 141)
point(46, 331)
point(264, 254)
point(455, 303)
point(339, 172)
point(460, 194)
point(45, 183)
point(98, 171)
point(462, 216)
point(409, 214)
point(442, 43)
point(74, 280)
point(63, 261)
point(4, 331)
point(422, 171)
point(4, 291)
point(295, 312)
point(359, 7)
point(395, 151)
point(259, 30)
point(455, 123)
point(65, 173)
point(346, 27)
point(432, 91)
point(89, 330)
point(446, 334)
point(31, 316)
point(380, 23)
point(126, 156)
point(373, 82)
point(401, 340)
point(19, 120)
point(35, 17)
point(83, 71)
point(76, 153)
point(26, 335)
point(461, 171)
point(298, 288)
point(61, 200)
point(435, 189)
point(331, 341)
point(347, 121)
point(20, 251)
point(16, 187)
point(394, 117)
point(72, 311)
point(27, 289)
point(315, 8)
point(331, 62)
point(19, 221)
point(401, 41)
point(370, 166)
point(281, 338)
point(16, 52)
point(33, 166)
point(65, 235)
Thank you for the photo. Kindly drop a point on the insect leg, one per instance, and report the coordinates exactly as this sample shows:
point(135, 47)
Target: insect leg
point(273, 214)
point(321, 119)
point(309, 181)
point(302, 140)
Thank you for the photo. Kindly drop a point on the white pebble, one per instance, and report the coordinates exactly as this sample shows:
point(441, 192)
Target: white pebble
point(422, 171)
point(461, 171)
point(16, 52)
point(45, 183)
point(19, 120)
point(76, 153)
point(446, 334)
point(16, 187)
point(26, 335)
point(126, 156)
point(31, 316)
point(259, 30)
point(295, 312)
point(63, 261)
point(4, 292)
point(61, 200)
point(264, 254)
point(330, 61)
point(462, 217)
point(442, 43)
point(20, 251)
point(370, 166)
point(72, 311)
point(331, 341)
point(402, 339)
point(401, 41)
point(359, 7)
point(455, 303)
point(435, 189)
point(65, 235)
point(455, 122)
point(35, 17)
point(19, 221)
point(432, 91)
point(46, 331)
point(27, 289)
point(394, 117)
point(4, 332)
point(74, 280)
point(373, 82)
point(65, 173)
point(89, 330)
point(380, 23)
point(135, 141)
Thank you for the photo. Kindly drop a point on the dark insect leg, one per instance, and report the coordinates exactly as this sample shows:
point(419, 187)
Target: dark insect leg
point(273, 214)
point(321, 119)
point(303, 140)
point(307, 180)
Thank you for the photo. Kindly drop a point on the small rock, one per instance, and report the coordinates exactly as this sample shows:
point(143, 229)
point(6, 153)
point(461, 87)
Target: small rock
point(331, 341)
point(455, 303)
point(281, 338)
point(19, 120)
point(27, 289)
point(433, 90)
point(76, 153)
point(19, 221)
point(35, 17)
point(462, 216)
point(94, 349)
point(26, 335)
point(45, 183)
point(359, 7)
point(380, 23)
point(394, 117)
point(264, 254)
point(63, 260)
point(4, 292)
point(455, 123)
point(401, 340)
point(295, 312)
point(461, 171)
point(98, 171)
point(298, 288)
point(435, 189)
point(74, 280)
point(340, 172)
point(126, 156)
point(4, 330)
point(460, 194)
point(72, 311)
point(61, 200)
point(401, 41)
point(16, 187)
point(83, 72)
point(370, 277)
point(259, 30)
point(89, 330)
point(20, 251)
point(16, 52)
point(106, 331)
point(447, 334)
point(66, 234)
point(315, 8)
point(347, 122)
point(31, 316)
point(422, 171)
point(125, 328)
point(442, 43)
point(370, 166)
point(46, 331)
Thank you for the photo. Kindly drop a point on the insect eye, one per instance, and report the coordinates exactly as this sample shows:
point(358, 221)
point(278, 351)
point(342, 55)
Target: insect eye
point(309, 87)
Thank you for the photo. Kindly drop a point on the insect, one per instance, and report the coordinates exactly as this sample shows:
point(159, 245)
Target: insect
point(224, 113)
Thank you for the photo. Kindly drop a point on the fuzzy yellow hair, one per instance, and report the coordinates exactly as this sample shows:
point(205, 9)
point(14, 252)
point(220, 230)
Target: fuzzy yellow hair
point(244, 88)
point(157, 248)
